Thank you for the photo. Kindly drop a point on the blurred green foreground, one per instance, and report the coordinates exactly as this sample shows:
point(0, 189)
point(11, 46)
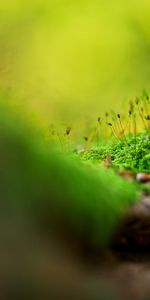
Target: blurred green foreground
point(48, 188)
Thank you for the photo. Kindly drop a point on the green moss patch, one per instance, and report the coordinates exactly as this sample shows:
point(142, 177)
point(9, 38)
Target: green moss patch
point(131, 153)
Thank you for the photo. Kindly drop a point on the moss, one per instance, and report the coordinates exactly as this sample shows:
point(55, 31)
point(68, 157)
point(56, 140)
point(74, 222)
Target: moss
point(130, 153)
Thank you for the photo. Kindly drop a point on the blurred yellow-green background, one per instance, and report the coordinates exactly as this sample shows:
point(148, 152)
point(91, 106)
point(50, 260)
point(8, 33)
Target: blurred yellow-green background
point(70, 59)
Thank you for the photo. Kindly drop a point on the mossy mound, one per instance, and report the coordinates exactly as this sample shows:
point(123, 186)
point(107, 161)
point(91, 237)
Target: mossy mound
point(130, 153)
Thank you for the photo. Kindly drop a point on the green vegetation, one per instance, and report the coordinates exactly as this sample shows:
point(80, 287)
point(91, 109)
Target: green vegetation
point(131, 154)
point(125, 154)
